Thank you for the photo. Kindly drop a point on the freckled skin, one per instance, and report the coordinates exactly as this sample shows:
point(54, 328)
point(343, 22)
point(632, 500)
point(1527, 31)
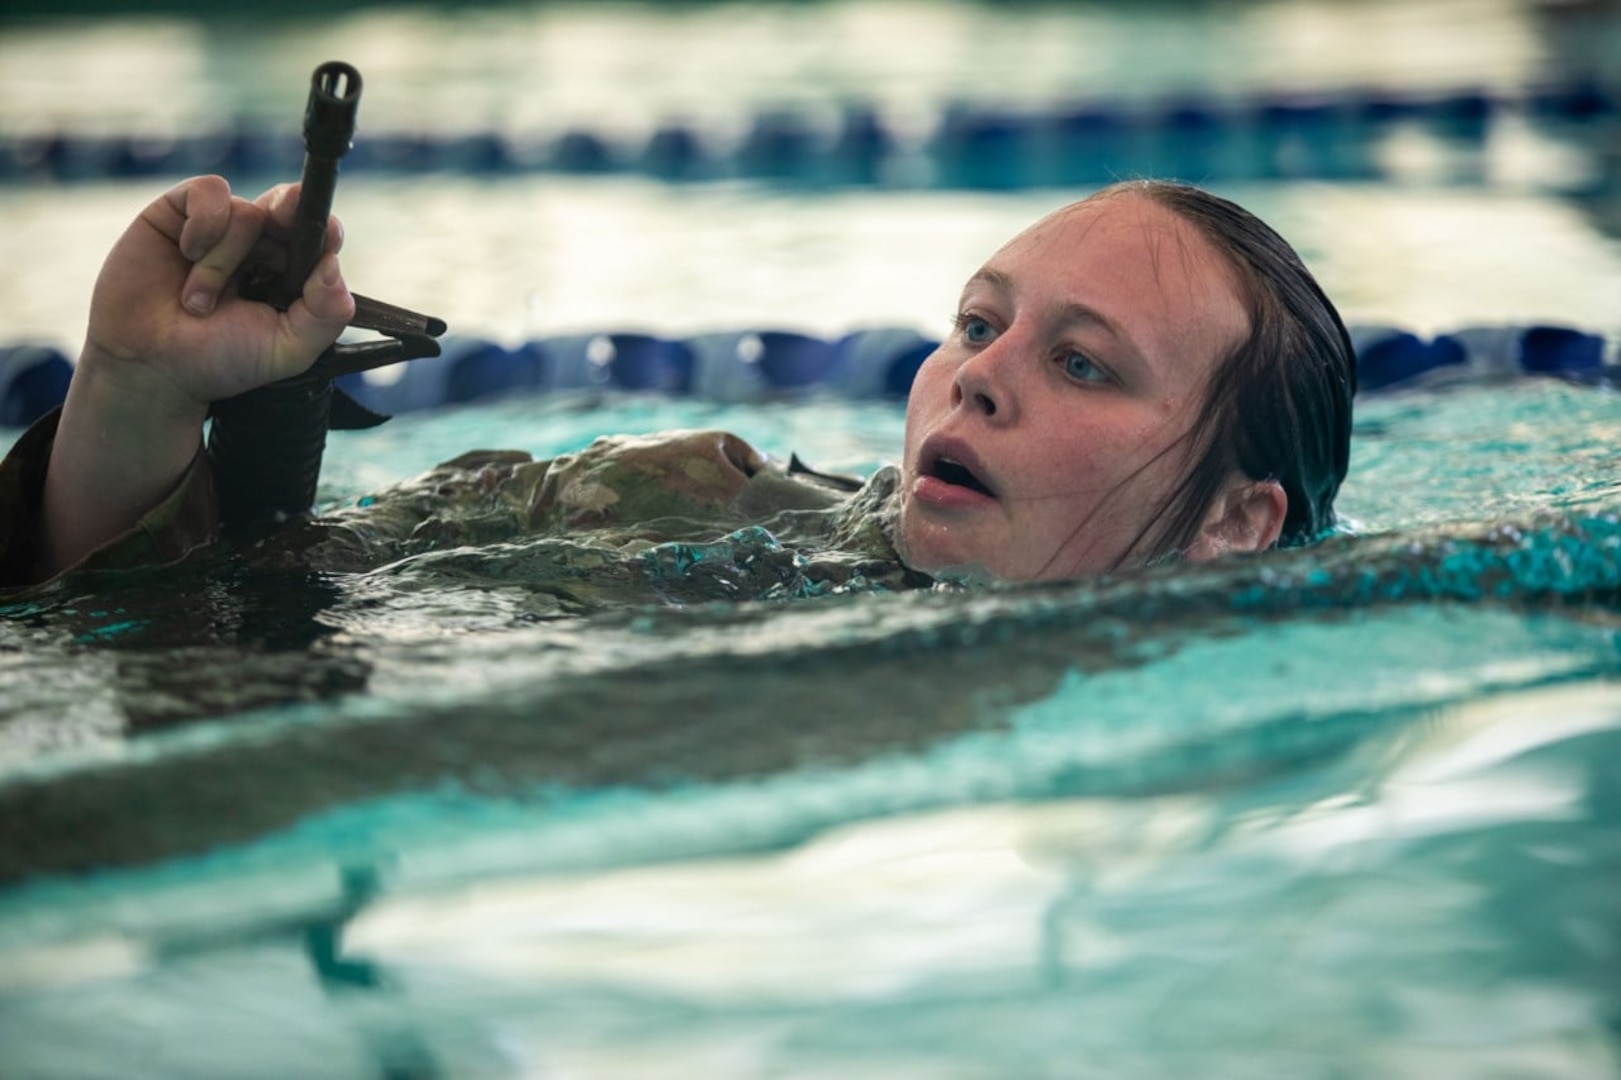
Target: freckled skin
point(1079, 427)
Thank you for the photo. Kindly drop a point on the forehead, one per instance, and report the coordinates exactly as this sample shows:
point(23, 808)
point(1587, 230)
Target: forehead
point(1138, 265)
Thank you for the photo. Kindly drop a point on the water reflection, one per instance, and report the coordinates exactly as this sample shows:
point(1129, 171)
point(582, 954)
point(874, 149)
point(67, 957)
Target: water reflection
point(181, 645)
point(1000, 688)
point(1439, 898)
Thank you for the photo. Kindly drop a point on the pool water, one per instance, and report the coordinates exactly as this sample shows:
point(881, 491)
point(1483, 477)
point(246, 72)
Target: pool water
point(1348, 811)
point(1336, 812)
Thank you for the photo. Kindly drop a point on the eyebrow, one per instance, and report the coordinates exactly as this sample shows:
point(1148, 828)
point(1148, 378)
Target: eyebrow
point(1072, 311)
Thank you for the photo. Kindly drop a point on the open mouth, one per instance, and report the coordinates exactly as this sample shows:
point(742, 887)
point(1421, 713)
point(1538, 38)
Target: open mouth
point(957, 474)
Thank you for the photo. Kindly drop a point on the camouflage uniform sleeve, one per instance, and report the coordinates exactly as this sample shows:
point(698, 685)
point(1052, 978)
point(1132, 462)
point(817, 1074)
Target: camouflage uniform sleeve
point(622, 489)
point(626, 480)
point(187, 519)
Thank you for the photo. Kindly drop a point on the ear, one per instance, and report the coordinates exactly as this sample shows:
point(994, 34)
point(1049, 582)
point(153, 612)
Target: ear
point(1247, 516)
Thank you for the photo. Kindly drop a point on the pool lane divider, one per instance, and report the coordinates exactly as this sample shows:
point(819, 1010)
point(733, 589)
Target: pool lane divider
point(746, 366)
point(969, 145)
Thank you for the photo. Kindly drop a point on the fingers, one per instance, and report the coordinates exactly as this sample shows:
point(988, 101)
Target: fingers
point(280, 205)
point(315, 320)
point(216, 231)
point(327, 297)
point(210, 273)
point(201, 211)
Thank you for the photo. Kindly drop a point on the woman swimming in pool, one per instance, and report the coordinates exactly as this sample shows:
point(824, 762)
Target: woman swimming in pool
point(1148, 373)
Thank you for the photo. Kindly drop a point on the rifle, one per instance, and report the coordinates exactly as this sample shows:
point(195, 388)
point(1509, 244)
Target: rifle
point(266, 444)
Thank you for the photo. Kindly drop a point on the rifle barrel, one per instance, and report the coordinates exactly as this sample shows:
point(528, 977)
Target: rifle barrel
point(329, 131)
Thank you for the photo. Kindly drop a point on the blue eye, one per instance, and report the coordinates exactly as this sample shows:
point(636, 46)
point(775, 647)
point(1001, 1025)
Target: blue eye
point(975, 330)
point(1080, 367)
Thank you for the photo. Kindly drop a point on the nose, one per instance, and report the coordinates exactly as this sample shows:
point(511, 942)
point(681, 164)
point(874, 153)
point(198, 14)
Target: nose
point(986, 382)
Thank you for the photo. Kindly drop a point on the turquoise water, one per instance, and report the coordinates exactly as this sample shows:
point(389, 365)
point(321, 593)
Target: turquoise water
point(1337, 813)
point(1341, 812)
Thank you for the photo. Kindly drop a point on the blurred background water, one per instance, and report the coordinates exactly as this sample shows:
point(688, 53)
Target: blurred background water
point(1479, 221)
point(1346, 813)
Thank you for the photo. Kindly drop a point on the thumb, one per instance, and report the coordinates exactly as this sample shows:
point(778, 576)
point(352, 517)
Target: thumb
point(315, 320)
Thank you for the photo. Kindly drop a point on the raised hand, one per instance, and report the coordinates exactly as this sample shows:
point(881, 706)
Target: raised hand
point(166, 321)
point(168, 335)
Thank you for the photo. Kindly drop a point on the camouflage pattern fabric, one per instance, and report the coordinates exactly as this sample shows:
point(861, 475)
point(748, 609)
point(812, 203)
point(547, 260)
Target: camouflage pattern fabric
point(687, 514)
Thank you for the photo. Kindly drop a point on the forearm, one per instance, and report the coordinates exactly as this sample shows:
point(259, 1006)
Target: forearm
point(124, 442)
point(168, 333)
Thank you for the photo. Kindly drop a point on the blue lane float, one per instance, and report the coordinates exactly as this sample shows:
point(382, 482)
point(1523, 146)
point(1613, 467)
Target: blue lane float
point(729, 366)
point(1388, 357)
point(33, 381)
point(1393, 358)
point(770, 364)
point(971, 145)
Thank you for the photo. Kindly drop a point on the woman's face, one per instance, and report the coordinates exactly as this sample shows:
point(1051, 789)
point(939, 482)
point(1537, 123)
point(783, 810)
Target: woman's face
point(1044, 435)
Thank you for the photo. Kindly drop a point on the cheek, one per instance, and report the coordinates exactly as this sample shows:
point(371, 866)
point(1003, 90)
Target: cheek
point(1081, 452)
point(1123, 442)
point(1107, 472)
point(932, 383)
point(929, 396)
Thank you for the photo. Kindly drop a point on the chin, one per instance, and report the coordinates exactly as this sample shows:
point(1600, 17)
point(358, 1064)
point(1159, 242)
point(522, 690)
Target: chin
point(933, 550)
